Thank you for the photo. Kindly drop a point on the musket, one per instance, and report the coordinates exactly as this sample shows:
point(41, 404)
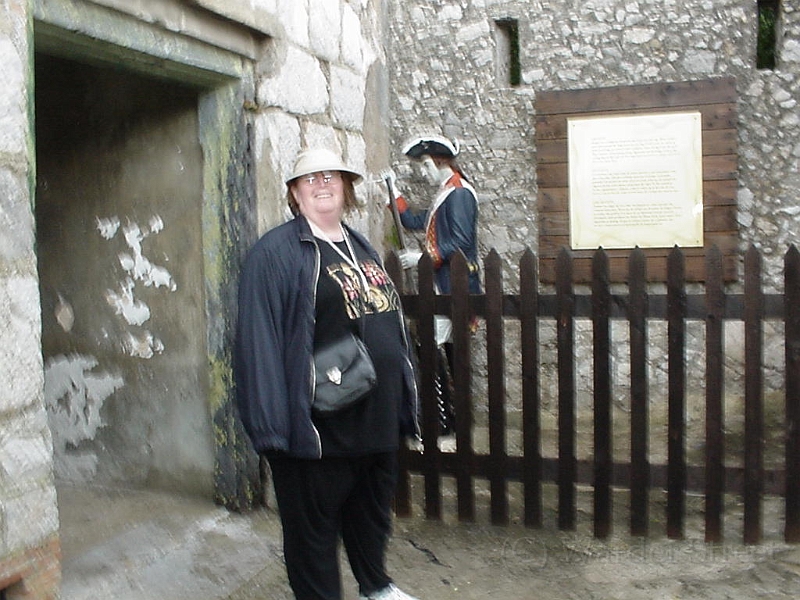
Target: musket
point(444, 375)
point(395, 213)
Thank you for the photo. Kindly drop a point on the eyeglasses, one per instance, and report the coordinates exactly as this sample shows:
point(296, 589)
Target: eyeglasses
point(325, 177)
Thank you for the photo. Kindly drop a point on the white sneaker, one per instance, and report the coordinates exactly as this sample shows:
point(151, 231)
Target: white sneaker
point(390, 592)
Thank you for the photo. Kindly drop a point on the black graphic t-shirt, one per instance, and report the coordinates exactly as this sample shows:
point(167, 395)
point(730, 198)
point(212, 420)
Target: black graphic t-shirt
point(341, 305)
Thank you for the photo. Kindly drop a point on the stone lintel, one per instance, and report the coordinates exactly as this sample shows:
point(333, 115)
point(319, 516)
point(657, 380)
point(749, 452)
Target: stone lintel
point(167, 38)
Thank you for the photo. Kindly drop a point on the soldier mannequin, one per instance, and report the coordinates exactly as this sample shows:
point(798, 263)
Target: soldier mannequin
point(450, 225)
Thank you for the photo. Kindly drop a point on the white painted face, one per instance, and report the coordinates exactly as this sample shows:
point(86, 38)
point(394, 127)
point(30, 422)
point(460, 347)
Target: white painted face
point(432, 173)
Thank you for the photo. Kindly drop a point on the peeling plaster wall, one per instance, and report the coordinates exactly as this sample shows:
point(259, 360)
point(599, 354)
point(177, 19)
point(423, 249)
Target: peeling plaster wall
point(121, 274)
point(122, 341)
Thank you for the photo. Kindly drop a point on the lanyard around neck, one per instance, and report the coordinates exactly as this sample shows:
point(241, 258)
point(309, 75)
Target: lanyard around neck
point(351, 260)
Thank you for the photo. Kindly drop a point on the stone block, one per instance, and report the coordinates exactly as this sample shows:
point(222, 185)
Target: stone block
point(791, 52)
point(293, 17)
point(352, 40)
point(347, 98)
point(325, 27)
point(13, 98)
point(321, 135)
point(357, 153)
point(23, 459)
point(16, 216)
point(256, 14)
point(31, 518)
point(299, 85)
point(20, 355)
point(277, 142)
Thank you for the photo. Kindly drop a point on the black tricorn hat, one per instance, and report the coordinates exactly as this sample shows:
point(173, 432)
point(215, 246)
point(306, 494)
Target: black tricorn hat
point(432, 145)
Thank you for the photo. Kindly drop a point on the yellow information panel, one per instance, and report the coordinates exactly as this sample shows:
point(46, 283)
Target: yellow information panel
point(636, 181)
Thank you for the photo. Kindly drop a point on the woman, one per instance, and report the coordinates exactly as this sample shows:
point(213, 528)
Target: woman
point(306, 283)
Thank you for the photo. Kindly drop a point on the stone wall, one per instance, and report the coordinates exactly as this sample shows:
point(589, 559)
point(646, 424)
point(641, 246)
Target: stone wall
point(271, 76)
point(324, 85)
point(361, 76)
point(444, 75)
point(29, 548)
point(447, 74)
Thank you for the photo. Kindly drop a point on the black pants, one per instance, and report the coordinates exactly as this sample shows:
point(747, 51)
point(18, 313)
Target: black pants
point(321, 500)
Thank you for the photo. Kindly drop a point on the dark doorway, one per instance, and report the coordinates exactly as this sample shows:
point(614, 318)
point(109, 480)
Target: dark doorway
point(119, 197)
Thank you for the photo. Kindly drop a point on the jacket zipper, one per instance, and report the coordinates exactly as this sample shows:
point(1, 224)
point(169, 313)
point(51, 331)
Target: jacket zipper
point(401, 316)
point(313, 382)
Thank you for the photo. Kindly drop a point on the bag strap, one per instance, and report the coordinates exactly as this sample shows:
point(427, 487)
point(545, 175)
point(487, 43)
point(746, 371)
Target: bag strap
point(351, 260)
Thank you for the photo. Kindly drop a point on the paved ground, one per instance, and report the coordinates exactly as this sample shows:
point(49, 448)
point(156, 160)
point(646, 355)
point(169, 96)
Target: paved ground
point(135, 545)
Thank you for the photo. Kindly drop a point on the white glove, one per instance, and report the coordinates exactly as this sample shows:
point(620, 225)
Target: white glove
point(389, 179)
point(388, 174)
point(409, 258)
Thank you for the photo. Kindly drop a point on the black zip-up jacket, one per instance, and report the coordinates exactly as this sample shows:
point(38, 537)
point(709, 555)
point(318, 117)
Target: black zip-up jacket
point(274, 365)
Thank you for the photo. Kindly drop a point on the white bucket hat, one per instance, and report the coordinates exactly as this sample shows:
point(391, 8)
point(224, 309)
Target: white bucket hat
point(320, 159)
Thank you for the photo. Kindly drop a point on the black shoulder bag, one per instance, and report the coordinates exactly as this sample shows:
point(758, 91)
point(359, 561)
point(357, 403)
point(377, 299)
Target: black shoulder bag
point(344, 375)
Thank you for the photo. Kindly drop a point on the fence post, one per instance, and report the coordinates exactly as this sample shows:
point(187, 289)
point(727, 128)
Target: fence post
point(753, 396)
point(402, 495)
point(715, 416)
point(430, 411)
point(565, 334)
point(792, 317)
point(462, 384)
point(531, 425)
point(676, 427)
point(640, 467)
point(493, 269)
point(603, 435)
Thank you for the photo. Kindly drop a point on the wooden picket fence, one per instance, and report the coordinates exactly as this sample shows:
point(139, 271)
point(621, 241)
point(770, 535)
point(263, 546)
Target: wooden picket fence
point(750, 482)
